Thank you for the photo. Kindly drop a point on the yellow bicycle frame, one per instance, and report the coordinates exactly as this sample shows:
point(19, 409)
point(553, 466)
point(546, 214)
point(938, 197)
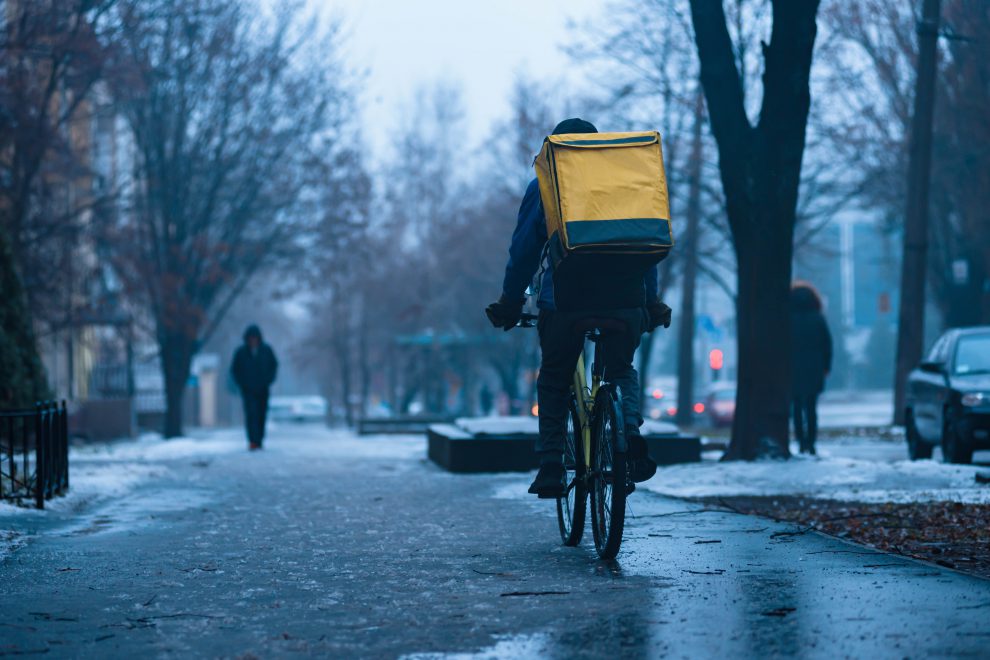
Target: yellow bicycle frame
point(585, 398)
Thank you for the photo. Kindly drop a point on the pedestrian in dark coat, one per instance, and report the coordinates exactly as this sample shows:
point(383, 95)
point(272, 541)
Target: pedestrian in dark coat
point(254, 368)
point(811, 361)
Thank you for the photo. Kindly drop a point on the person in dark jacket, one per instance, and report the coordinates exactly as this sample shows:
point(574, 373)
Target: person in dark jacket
point(811, 361)
point(254, 368)
point(632, 300)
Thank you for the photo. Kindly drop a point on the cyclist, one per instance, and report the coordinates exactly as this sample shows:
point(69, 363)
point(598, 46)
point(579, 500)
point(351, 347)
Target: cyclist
point(631, 299)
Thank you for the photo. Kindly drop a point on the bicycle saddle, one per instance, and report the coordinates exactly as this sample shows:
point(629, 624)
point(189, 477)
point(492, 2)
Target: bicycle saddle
point(604, 325)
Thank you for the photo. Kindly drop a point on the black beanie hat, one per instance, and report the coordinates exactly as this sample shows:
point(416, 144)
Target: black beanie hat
point(574, 125)
point(252, 331)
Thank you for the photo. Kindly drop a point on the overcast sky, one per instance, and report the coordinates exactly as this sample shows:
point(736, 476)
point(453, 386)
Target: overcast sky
point(480, 44)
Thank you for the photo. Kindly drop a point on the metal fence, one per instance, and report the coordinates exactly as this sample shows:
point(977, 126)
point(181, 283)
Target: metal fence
point(34, 453)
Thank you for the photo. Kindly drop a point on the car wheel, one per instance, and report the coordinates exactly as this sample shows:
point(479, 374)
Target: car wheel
point(955, 449)
point(917, 448)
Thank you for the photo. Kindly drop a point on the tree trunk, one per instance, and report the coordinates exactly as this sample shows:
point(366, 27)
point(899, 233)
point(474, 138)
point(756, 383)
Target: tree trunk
point(760, 424)
point(176, 352)
point(364, 359)
point(911, 324)
point(760, 169)
point(344, 365)
point(686, 329)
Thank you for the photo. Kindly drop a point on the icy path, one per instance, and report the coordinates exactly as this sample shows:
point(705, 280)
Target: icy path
point(330, 545)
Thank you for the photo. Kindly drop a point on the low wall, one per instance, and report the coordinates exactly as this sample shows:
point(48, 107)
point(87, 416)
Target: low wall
point(512, 447)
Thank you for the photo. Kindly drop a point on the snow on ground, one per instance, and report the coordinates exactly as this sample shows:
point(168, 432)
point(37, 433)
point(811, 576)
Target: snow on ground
point(112, 473)
point(110, 470)
point(850, 409)
point(849, 469)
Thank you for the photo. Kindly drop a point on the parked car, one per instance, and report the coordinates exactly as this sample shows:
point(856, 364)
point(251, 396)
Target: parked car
point(720, 404)
point(298, 408)
point(948, 397)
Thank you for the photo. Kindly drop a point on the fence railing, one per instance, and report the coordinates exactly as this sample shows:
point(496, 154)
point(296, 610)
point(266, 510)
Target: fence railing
point(34, 453)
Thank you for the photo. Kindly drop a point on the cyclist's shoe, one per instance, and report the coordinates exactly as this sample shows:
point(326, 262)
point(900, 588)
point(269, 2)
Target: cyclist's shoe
point(549, 482)
point(641, 466)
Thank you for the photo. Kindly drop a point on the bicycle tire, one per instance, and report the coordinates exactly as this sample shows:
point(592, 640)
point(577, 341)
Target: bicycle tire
point(572, 508)
point(608, 470)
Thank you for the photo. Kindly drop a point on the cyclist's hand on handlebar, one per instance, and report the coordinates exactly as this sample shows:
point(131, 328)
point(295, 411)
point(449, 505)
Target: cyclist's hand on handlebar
point(659, 315)
point(504, 314)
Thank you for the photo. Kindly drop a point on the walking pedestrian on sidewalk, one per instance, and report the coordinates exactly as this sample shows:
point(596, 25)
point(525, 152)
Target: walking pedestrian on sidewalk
point(254, 368)
point(811, 361)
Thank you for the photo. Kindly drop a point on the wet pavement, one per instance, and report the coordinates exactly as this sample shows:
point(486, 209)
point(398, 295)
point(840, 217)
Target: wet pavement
point(329, 545)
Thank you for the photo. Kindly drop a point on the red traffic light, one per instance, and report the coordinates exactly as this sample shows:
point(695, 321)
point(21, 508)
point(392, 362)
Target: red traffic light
point(715, 359)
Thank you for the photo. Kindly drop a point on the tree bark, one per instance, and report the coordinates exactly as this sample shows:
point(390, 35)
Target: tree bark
point(760, 169)
point(176, 357)
point(686, 329)
point(911, 321)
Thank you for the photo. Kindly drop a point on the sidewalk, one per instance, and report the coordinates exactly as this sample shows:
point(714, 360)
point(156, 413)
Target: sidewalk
point(326, 544)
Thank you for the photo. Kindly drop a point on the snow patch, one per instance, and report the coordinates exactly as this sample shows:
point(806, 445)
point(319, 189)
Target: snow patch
point(152, 447)
point(831, 475)
point(528, 425)
point(507, 647)
point(510, 425)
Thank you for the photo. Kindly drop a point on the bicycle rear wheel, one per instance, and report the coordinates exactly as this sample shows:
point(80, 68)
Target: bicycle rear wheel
point(608, 472)
point(572, 507)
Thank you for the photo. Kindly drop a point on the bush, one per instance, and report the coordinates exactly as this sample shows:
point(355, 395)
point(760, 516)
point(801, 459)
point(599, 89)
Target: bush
point(22, 377)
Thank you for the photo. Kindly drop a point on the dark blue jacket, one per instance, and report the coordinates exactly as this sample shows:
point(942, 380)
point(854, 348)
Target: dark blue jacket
point(526, 254)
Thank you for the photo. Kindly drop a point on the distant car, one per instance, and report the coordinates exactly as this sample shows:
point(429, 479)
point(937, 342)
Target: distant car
point(948, 397)
point(661, 400)
point(298, 408)
point(720, 404)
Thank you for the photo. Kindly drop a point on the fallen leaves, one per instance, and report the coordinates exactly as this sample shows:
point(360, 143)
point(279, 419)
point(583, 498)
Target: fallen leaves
point(951, 534)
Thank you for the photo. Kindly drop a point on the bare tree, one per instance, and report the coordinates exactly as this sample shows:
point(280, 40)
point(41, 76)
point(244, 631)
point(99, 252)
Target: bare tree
point(760, 168)
point(871, 55)
point(51, 56)
point(235, 116)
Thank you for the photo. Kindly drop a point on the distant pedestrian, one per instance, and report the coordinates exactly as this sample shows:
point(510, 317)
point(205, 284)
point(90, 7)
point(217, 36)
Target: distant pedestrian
point(811, 361)
point(254, 368)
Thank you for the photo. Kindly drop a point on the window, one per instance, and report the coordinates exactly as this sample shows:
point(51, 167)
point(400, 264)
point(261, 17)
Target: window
point(937, 352)
point(973, 354)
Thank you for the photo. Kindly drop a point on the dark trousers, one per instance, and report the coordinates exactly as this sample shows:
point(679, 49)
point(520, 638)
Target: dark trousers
point(805, 408)
point(561, 346)
point(255, 414)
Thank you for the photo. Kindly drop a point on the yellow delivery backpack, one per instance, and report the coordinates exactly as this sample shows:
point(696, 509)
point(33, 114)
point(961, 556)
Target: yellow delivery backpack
point(608, 217)
point(605, 194)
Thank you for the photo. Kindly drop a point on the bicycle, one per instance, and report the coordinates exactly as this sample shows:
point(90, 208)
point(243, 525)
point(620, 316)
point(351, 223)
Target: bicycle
point(594, 447)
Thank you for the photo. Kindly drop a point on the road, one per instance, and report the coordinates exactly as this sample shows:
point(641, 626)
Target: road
point(329, 545)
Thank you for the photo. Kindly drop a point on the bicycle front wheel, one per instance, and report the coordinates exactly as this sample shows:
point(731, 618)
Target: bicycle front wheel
point(572, 507)
point(608, 475)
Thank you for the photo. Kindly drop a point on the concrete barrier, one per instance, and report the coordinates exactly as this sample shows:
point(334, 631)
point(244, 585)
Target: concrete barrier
point(508, 445)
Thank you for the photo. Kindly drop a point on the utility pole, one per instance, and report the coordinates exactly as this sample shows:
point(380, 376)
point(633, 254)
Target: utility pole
point(914, 262)
point(685, 335)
